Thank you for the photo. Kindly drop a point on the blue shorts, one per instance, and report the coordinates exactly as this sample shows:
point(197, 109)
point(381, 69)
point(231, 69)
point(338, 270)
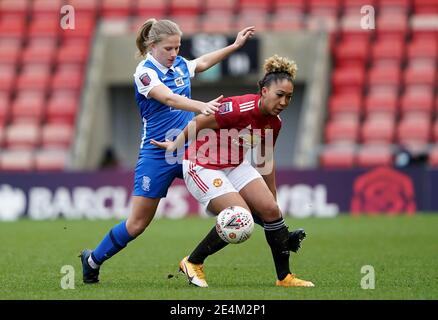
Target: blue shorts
point(153, 177)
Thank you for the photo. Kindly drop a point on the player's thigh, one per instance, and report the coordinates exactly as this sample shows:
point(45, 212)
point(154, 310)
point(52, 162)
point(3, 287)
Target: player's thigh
point(260, 200)
point(211, 188)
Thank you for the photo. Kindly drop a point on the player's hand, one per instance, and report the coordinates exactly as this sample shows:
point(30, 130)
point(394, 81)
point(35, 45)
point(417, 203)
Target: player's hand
point(243, 35)
point(212, 106)
point(166, 145)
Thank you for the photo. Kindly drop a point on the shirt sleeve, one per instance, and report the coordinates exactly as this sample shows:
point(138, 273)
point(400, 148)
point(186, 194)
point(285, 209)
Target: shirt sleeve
point(146, 79)
point(191, 65)
point(228, 115)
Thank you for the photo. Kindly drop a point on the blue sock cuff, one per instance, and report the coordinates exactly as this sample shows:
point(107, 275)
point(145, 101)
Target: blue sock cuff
point(113, 242)
point(119, 234)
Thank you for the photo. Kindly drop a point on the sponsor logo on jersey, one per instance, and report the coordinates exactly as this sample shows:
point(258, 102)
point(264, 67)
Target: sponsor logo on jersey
point(145, 79)
point(225, 107)
point(179, 82)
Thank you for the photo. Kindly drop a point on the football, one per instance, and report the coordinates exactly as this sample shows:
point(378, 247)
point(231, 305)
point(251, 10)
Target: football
point(234, 224)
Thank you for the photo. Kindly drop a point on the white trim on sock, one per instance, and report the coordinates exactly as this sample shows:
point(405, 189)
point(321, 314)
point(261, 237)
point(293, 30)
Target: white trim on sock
point(272, 226)
point(92, 264)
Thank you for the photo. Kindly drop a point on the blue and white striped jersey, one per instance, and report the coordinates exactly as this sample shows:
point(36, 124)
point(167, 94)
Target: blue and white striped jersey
point(160, 120)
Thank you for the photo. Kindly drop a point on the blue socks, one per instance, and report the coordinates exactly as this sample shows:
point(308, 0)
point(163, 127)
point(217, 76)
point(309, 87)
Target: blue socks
point(114, 241)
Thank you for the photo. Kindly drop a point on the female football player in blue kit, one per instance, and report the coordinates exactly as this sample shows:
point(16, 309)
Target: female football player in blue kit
point(163, 95)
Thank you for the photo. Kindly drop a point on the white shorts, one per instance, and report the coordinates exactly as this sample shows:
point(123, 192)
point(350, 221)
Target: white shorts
point(206, 184)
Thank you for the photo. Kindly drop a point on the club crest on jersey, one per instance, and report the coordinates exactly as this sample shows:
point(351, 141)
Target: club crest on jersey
point(145, 79)
point(225, 107)
point(146, 183)
point(179, 82)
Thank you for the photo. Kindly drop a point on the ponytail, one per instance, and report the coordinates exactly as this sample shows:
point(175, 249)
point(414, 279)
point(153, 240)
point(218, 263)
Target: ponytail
point(142, 37)
point(153, 31)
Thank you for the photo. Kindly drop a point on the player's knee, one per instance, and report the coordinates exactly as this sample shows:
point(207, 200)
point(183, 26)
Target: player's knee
point(136, 227)
point(271, 212)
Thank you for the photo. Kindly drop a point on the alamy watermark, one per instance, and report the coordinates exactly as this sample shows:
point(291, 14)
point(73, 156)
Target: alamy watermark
point(368, 281)
point(368, 20)
point(68, 280)
point(226, 147)
point(67, 17)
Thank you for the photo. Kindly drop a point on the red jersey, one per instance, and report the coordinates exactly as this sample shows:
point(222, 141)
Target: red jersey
point(241, 127)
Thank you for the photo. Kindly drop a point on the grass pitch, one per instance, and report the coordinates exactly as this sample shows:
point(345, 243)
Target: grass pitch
point(402, 250)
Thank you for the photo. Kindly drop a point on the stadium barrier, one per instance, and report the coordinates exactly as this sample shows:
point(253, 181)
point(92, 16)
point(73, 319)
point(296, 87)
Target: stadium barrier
point(303, 193)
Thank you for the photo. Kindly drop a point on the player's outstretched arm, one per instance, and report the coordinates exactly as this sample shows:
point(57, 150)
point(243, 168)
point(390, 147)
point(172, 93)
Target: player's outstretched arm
point(208, 60)
point(200, 122)
point(167, 97)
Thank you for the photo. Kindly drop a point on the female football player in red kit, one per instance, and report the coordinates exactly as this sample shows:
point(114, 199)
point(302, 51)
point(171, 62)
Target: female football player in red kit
point(218, 175)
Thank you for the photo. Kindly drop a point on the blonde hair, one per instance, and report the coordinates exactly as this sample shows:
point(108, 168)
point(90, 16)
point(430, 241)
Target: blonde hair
point(154, 31)
point(278, 68)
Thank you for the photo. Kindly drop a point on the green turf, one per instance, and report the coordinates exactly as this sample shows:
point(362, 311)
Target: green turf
point(402, 250)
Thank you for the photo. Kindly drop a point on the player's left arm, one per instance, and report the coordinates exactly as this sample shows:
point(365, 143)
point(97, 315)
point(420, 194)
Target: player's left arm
point(208, 60)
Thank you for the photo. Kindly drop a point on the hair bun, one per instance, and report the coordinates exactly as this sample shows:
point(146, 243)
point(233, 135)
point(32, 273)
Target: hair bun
point(280, 64)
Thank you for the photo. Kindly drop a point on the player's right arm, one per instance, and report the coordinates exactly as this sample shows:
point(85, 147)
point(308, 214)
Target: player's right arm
point(149, 85)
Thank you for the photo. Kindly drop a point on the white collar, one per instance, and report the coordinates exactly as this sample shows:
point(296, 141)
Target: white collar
point(160, 67)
